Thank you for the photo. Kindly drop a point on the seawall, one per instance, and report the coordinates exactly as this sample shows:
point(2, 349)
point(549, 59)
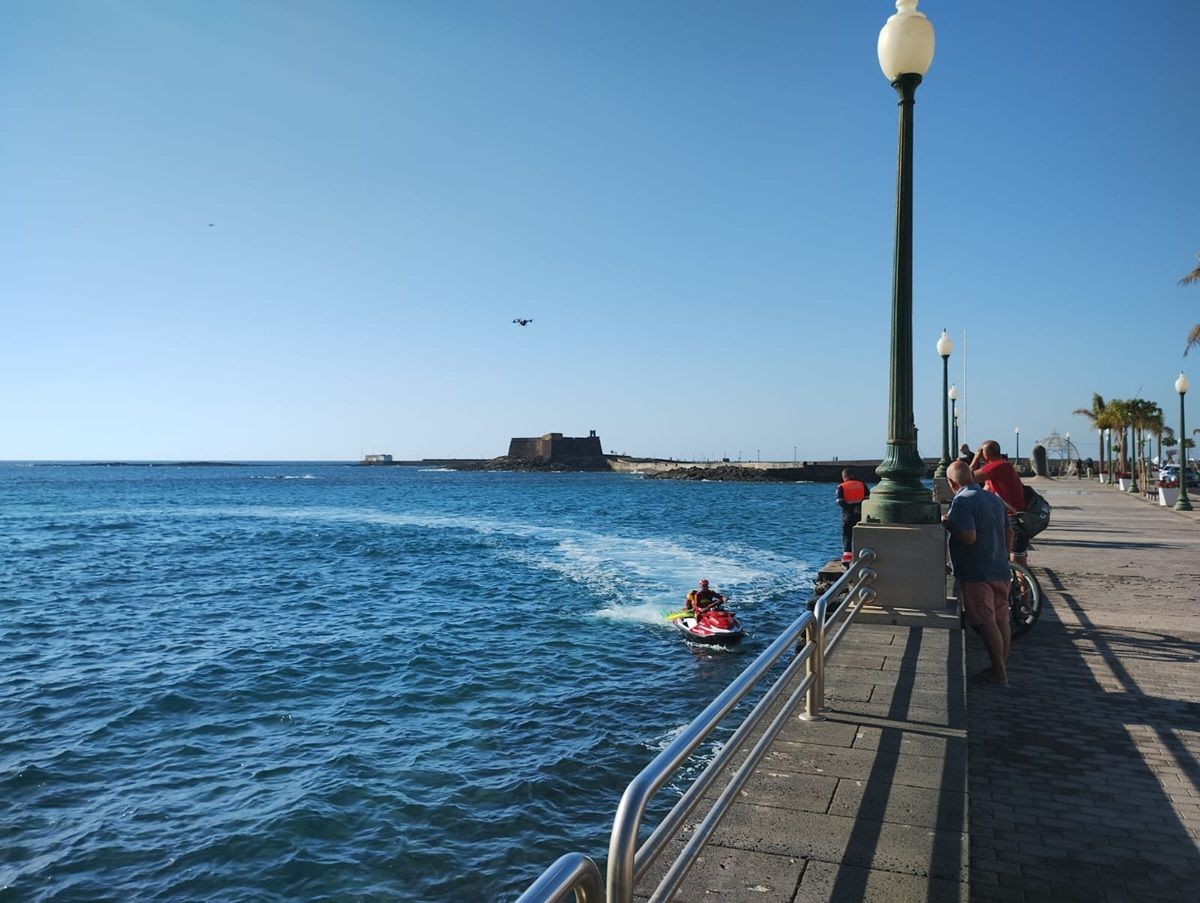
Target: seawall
point(774, 471)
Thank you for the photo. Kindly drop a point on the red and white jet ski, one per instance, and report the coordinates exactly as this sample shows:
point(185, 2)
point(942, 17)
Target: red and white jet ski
point(716, 626)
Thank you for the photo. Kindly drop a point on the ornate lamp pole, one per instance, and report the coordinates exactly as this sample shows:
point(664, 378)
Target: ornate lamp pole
point(953, 395)
point(1068, 453)
point(945, 345)
point(1017, 462)
point(1182, 503)
point(905, 52)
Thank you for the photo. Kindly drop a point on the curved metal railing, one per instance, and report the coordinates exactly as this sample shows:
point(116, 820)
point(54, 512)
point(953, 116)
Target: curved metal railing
point(574, 874)
point(627, 863)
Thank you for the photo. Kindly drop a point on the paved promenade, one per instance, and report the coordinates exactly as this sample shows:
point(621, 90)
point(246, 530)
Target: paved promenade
point(1085, 774)
point(1081, 781)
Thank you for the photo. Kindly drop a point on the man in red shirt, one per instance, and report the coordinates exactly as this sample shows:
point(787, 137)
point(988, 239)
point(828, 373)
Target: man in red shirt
point(995, 473)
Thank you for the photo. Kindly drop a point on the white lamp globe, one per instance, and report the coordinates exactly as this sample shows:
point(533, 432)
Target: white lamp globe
point(945, 344)
point(1181, 385)
point(905, 42)
point(953, 393)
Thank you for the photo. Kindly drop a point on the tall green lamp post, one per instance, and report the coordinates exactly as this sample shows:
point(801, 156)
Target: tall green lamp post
point(945, 345)
point(953, 394)
point(1133, 460)
point(905, 52)
point(1182, 503)
point(1017, 461)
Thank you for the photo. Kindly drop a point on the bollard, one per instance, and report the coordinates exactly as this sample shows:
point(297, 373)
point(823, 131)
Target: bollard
point(1037, 459)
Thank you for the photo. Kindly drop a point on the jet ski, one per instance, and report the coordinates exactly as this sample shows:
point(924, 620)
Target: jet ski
point(715, 627)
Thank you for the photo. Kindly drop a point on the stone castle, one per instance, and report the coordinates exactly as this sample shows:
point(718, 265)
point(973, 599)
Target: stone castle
point(557, 447)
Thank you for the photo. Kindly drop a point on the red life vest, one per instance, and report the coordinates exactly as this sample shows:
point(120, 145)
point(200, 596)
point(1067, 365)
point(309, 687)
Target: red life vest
point(853, 491)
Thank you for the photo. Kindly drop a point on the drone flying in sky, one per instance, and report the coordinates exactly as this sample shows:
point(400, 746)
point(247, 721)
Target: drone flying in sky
point(522, 321)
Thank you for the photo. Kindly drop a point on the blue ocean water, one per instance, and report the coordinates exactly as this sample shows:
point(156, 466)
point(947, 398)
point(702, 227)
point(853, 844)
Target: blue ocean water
point(330, 682)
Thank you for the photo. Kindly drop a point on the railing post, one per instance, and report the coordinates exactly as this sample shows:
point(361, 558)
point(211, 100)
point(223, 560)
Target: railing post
point(814, 666)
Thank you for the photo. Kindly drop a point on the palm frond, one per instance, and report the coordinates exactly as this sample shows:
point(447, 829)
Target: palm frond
point(1193, 339)
point(1193, 276)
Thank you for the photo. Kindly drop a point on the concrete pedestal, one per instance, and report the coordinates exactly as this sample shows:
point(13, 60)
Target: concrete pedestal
point(911, 564)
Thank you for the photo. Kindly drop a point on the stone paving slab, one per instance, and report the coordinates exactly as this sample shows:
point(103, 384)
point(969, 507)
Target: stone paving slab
point(867, 805)
point(1085, 773)
point(865, 843)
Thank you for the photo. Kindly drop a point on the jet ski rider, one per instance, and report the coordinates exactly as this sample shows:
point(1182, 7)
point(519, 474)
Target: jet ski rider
point(702, 599)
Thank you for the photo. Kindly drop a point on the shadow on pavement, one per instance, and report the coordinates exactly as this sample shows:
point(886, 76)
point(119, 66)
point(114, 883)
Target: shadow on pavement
point(1064, 799)
point(946, 860)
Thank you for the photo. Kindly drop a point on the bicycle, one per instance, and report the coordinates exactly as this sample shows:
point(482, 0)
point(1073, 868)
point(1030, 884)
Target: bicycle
point(1024, 600)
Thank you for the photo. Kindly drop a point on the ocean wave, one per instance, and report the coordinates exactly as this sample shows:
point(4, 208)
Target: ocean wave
point(249, 692)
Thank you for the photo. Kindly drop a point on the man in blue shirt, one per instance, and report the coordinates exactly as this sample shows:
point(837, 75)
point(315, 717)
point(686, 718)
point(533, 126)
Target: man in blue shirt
point(980, 543)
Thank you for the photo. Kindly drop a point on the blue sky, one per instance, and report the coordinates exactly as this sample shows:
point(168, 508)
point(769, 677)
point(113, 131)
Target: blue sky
point(694, 202)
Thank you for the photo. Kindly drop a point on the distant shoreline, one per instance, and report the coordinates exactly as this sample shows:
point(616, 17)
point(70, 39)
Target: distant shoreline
point(649, 468)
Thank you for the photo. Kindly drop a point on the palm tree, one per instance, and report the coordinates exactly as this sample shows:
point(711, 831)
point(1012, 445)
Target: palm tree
point(1169, 442)
point(1193, 338)
point(1147, 421)
point(1166, 438)
point(1107, 420)
point(1121, 416)
point(1095, 416)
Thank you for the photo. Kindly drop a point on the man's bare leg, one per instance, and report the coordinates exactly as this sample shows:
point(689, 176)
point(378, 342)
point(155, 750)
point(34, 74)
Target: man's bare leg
point(993, 642)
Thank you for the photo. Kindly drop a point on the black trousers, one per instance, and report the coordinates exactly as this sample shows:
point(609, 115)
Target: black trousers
point(848, 522)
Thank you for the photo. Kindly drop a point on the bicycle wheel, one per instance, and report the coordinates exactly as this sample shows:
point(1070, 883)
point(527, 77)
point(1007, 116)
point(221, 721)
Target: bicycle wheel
point(1024, 600)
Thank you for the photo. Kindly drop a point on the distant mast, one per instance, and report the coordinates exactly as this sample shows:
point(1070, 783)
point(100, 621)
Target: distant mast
point(962, 408)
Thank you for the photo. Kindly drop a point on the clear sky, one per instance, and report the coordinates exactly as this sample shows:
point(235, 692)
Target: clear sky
point(694, 202)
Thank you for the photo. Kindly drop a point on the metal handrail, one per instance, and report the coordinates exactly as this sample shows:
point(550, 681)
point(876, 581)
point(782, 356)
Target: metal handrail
point(573, 874)
point(626, 863)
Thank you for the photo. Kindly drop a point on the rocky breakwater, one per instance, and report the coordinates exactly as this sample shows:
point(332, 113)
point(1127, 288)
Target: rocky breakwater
point(728, 473)
point(807, 472)
point(540, 465)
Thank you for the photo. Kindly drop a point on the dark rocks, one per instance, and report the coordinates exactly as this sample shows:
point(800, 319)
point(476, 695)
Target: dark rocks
point(805, 472)
point(729, 473)
point(539, 465)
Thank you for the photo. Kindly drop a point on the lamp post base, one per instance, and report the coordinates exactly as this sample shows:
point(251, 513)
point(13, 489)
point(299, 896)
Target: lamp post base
point(1182, 504)
point(900, 497)
point(896, 503)
point(911, 566)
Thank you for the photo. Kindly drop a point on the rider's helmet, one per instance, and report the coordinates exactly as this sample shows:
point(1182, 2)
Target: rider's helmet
point(704, 583)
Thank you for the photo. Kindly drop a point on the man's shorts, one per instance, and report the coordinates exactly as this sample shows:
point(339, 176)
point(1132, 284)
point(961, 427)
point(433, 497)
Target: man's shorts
point(985, 601)
point(1020, 540)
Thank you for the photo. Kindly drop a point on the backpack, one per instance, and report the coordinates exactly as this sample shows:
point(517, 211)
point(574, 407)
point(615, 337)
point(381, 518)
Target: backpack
point(1036, 516)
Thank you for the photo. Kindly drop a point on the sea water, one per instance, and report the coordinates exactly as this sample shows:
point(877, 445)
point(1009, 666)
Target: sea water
point(330, 682)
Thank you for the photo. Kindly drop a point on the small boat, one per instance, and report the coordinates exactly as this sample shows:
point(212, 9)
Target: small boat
point(715, 627)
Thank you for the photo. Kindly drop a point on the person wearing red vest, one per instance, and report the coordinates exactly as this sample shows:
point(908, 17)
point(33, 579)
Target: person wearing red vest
point(992, 469)
point(850, 495)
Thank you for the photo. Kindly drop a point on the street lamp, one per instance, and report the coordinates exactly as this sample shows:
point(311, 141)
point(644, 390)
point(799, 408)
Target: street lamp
point(1017, 430)
point(1182, 503)
point(1068, 452)
point(945, 345)
point(953, 394)
point(905, 52)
